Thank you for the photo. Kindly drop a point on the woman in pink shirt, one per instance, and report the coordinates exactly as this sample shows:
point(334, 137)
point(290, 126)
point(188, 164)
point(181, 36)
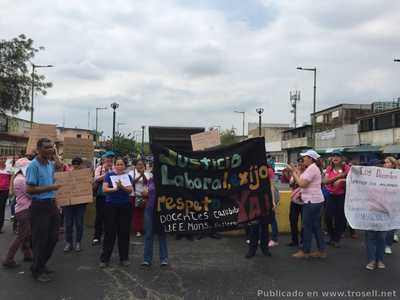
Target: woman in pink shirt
point(310, 187)
point(5, 177)
point(335, 184)
point(23, 239)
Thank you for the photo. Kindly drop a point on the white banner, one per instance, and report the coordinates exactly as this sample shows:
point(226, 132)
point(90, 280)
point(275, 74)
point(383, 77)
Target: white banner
point(373, 198)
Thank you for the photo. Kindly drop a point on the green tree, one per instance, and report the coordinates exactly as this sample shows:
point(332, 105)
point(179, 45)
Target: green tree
point(15, 75)
point(125, 145)
point(228, 137)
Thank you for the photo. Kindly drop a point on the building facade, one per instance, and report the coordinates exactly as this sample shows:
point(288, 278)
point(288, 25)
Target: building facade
point(296, 140)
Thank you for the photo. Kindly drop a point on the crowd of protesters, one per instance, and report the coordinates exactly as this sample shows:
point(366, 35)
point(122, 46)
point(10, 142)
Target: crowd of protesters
point(125, 206)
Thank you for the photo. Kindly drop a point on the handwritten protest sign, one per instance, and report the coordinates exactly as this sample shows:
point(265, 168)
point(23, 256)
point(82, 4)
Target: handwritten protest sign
point(372, 198)
point(211, 190)
point(76, 187)
point(205, 140)
point(74, 147)
point(39, 131)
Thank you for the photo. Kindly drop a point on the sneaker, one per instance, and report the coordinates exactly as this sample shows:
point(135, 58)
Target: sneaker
point(11, 264)
point(138, 234)
point(318, 254)
point(301, 254)
point(396, 238)
point(146, 264)
point(68, 247)
point(96, 242)
point(388, 250)
point(370, 266)
point(164, 263)
point(78, 247)
point(103, 265)
point(43, 278)
point(272, 243)
point(247, 242)
point(381, 265)
point(125, 263)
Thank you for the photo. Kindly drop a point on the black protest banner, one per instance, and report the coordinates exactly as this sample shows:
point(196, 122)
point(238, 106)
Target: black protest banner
point(213, 190)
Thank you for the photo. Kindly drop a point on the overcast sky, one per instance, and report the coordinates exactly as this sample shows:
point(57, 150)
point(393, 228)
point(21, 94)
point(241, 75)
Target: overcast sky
point(192, 62)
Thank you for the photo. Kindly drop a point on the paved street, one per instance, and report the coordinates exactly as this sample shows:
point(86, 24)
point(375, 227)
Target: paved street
point(204, 269)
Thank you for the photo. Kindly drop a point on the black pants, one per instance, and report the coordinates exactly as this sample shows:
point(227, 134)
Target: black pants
point(3, 200)
point(296, 212)
point(258, 232)
point(99, 221)
point(335, 218)
point(45, 222)
point(117, 225)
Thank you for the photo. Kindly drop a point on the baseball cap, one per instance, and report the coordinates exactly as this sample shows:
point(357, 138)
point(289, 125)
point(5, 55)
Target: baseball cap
point(311, 153)
point(336, 152)
point(109, 154)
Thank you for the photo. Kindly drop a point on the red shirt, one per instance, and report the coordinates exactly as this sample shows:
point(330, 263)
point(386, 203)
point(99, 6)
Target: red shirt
point(339, 186)
point(5, 177)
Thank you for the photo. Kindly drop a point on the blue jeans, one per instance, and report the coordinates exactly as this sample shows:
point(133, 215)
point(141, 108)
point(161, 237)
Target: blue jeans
point(149, 239)
point(312, 226)
point(274, 228)
point(389, 238)
point(73, 215)
point(375, 241)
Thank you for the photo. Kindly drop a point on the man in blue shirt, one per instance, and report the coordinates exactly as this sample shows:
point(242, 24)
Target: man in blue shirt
point(45, 216)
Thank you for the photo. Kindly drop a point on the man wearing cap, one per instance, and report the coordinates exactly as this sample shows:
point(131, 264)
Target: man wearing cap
point(310, 187)
point(45, 215)
point(99, 174)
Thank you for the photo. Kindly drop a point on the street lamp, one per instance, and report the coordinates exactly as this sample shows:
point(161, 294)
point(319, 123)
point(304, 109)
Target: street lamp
point(33, 85)
point(97, 116)
point(114, 106)
point(243, 113)
point(143, 140)
point(259, 111)
point(315, 98)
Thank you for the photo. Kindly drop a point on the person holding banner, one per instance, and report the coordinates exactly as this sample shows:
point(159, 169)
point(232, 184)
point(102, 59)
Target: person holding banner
point(74, 215)
point(258, 229)
point(117, 187)
point(99, 174)
point(152, 226)
point(390, 163)
point(310, 187)
point(22, 214)
point(45, 216)
point(335, 184)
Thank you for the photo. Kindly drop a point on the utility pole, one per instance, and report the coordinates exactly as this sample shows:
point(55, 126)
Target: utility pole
point(294, 99)
point(243, 114)
point(97, 124)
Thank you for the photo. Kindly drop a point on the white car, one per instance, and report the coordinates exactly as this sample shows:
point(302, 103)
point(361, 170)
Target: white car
point(279, 167)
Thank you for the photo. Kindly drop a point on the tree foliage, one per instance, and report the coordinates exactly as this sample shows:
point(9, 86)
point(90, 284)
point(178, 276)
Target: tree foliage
point(228, 137)
point(15, 74)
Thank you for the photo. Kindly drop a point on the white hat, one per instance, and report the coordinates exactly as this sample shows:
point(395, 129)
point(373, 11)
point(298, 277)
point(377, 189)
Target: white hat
point(311, 153)
point(22, 164)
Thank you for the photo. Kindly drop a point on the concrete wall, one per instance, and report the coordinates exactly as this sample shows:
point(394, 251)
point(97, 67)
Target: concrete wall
point(381, 137)
point(296, 143)
point(346, 136)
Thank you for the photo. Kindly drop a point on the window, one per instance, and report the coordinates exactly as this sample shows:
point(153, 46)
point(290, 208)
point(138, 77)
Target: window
point(79, 136)
point(335, 114)
point(383, 122)
point(366, 125)
point(320, 119)
point(397, 119)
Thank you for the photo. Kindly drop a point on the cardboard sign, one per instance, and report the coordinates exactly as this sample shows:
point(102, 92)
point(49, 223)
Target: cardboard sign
point(74, 147)
point(39, 131)
point(205, 140)
point(76, 187)
point(372, 198)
